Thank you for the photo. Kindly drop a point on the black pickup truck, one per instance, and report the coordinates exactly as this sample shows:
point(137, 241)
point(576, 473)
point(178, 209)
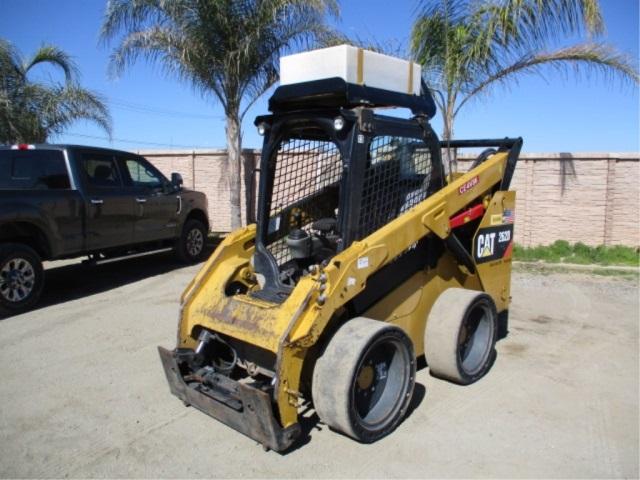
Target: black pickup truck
point(64, 201)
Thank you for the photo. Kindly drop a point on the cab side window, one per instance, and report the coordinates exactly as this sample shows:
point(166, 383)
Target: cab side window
point(397, 177)
point(100, 171)
point(33, 170)
point(142, 174)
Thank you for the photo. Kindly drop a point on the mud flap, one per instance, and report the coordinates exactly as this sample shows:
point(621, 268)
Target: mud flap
point(242, 407)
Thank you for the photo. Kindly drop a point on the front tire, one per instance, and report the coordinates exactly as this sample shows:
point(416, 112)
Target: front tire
point(21, 278)
point(363, 382)
point(192, 242)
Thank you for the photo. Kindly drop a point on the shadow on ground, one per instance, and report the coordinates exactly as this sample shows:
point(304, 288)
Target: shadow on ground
point(78, 280)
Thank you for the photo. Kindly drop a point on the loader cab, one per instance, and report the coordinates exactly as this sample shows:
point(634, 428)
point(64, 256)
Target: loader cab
point(333, 171)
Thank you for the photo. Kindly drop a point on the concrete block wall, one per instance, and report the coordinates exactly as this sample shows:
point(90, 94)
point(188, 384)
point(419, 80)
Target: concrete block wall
point(592, 198)
point(623, 201)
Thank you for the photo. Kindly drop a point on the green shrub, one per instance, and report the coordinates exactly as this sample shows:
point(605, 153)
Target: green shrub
point(562, 251)
point(561, 248)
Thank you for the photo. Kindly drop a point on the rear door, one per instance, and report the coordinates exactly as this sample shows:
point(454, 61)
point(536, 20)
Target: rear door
point(110, 207)
point(42, 177)
point(157, 202)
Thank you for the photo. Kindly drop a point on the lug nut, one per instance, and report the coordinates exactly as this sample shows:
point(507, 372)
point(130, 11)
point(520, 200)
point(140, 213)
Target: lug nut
point(321, 299)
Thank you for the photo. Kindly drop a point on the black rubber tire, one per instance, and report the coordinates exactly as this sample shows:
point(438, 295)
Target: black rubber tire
point(345, 379)
point(183, 248)
point(484, 155)
point(460, 336)
point(15, 251)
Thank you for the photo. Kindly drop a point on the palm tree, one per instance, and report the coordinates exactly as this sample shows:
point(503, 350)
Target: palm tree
point(30, 111)
point(468, 46)
point(228, 48)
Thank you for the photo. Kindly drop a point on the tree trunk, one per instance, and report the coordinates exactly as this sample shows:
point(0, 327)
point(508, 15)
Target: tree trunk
point(451, 154)
point(234, 159)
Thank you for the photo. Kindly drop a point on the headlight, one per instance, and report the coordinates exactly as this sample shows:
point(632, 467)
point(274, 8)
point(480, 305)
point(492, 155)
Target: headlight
point(338, 123)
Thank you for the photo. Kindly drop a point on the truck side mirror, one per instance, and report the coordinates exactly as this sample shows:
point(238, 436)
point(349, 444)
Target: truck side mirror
point(176, 180)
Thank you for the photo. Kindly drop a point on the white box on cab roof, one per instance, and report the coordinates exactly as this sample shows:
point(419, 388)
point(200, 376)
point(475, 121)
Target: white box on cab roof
point(354, 65)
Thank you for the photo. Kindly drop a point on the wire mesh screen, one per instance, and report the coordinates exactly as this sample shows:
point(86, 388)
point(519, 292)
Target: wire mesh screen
point(396, 179)
point(305, 189)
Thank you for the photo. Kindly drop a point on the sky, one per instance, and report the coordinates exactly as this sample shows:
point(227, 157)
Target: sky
point(152, 111)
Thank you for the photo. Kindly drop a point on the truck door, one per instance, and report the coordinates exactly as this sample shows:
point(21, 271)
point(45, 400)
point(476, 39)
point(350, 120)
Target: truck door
point(157, 201)
point(109, 206)
point(40, 177)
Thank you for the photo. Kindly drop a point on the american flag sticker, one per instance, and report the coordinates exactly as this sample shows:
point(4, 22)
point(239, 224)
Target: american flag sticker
point(508, 216)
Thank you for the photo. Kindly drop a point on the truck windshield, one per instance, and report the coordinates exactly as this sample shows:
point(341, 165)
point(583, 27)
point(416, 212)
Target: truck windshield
point(33, 170)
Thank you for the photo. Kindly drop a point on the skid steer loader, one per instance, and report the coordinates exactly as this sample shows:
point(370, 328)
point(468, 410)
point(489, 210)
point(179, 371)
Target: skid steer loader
point(365, 256)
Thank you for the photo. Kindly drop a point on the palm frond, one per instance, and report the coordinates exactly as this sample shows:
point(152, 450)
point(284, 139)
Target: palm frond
point(466, 46)
point(50, 54)
point(131, 15)
point(532, 23)
point(10, 60)
point(71, 103)
point(32, 111)
point(586, 58)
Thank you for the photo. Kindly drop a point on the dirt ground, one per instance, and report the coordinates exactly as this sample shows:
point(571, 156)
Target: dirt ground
point(83, 394)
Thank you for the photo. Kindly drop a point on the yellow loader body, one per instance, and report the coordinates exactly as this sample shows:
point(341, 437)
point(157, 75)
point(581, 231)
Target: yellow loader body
point(268, 345)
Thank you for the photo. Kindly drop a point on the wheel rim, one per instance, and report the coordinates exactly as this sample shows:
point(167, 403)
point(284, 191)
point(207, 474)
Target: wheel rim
point(475, 340)
point(380, 383)
point(195, 242)
point(17, 279)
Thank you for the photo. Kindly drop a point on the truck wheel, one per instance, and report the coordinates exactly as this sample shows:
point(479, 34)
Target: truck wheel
point(191, 244)
point(21, 277)
point(363, 382)
point(460, 336)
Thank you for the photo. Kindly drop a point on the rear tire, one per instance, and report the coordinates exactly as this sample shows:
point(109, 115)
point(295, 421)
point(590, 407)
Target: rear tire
point(192, 242)
point(21, 278)
point(460, 336)
point(363, 382)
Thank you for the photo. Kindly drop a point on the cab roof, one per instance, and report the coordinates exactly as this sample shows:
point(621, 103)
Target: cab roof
point(337, 93)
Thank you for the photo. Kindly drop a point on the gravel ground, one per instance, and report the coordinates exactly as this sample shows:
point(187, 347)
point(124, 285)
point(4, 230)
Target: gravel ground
point(83, 393)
